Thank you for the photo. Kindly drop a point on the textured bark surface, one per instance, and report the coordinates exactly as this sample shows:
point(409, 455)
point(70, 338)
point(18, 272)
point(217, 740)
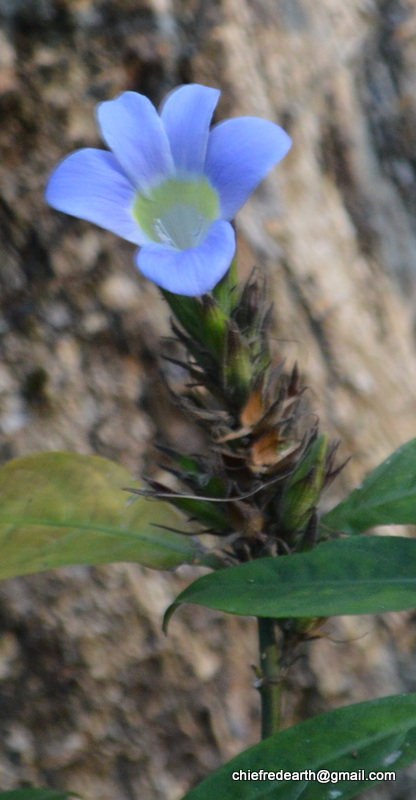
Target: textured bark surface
point(93, 697)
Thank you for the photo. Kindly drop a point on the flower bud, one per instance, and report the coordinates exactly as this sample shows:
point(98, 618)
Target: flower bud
point(213, 326)
point(237, 367)
point(304, 487)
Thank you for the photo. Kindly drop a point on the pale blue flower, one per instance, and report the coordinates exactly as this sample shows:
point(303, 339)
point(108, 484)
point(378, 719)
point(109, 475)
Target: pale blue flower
point(170, 184)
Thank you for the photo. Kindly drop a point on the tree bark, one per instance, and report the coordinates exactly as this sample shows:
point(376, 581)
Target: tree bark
point(94, 697)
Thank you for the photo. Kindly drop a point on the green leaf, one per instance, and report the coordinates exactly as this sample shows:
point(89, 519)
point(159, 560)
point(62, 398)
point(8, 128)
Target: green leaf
point(375, 736)
point(363, 575)
point(65, 508)
point(387, 496)
point(35, 794)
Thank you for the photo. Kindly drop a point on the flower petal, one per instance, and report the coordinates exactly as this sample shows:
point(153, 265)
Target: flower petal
point(90, 184)
point(240, 153)
point(134, 132)
point(194, 271)
point(186, 115)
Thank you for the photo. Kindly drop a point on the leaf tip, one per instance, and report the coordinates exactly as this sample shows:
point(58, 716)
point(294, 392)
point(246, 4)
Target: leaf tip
point(167, 616)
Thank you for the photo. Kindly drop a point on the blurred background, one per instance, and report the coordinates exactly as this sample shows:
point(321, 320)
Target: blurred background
point(93, 697)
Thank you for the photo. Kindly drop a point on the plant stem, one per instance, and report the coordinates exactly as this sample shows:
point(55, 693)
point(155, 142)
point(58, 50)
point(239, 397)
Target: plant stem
point(270, 681)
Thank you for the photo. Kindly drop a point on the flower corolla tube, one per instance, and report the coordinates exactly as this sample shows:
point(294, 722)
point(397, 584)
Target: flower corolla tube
point(169, 183)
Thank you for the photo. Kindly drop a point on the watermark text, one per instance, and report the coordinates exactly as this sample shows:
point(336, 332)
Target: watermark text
point(320, 775)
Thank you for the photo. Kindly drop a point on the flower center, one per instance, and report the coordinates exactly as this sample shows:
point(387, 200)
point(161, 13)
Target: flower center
point(177, 212)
